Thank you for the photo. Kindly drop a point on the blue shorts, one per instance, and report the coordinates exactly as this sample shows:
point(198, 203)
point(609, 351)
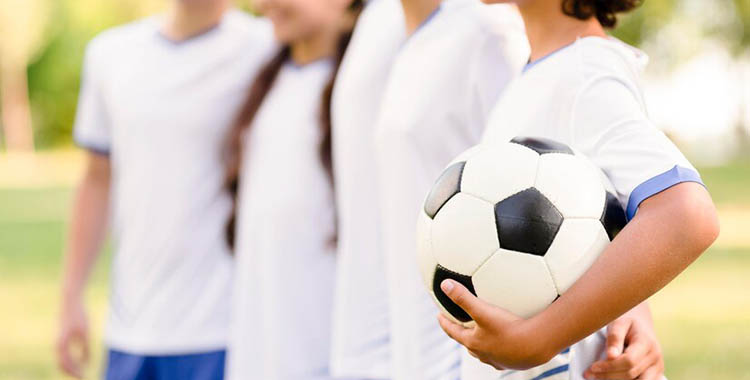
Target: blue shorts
point(202, 366)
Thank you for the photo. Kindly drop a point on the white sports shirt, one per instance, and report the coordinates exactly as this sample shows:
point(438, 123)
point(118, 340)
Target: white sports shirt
point(588, 95)
point(161, 110)
point(361, 336)
point(285, 275)
point(443, 83)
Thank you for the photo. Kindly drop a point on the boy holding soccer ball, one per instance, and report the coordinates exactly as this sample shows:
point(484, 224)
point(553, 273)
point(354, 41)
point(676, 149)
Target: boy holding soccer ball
point(581, 88)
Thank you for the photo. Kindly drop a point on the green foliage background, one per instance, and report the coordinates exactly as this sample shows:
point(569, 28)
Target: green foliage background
point(703, 318)
point(54, 74)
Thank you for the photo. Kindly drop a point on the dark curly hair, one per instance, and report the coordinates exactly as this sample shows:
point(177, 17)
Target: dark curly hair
point(605, 10)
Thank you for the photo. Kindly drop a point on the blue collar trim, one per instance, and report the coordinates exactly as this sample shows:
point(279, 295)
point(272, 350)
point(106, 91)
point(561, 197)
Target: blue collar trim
point(429, 18)
point(532, 64)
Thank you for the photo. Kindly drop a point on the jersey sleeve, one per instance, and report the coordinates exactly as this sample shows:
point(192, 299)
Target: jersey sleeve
point(611, 127)
point(92, 129)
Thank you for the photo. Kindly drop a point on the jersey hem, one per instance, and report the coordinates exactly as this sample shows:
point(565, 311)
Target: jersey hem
point(149, 345)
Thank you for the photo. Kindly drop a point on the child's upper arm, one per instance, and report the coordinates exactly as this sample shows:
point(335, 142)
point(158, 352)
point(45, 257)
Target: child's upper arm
point(609, 124)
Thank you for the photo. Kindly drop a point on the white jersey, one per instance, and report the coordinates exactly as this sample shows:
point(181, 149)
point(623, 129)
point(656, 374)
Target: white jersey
point(443, 83)
point(361, 337)
point(588, 95)
point(283, 296)
point(160, 110)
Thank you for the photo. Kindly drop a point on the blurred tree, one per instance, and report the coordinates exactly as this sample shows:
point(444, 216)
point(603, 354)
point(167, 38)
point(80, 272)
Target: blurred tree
point(54, 77)
point(743, 12)
point(22, 25)
point(645, 20)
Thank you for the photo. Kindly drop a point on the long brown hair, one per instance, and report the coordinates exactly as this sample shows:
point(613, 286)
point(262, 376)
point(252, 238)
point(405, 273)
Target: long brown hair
point(262, 85)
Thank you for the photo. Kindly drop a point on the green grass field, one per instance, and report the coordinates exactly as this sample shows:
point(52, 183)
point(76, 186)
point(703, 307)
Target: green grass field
point(703, 317)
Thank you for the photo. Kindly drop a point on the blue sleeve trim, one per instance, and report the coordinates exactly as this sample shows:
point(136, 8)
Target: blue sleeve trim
point(657, 184)
point(553, 371)
point(93, 148)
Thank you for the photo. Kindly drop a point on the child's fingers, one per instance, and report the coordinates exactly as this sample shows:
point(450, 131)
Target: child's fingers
point(632, 363)
point(464, 299)
point(632, 373)
point(598, 367)
point(652, 373)
point(457, 332)
point(616, 333)
point(66, 358)
point(614, 376)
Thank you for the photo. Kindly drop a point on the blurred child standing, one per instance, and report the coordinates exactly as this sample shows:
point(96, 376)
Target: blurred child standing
point(413, 105)
point(157, 100)
point(279, 171)
point(361, 331)
point(455, 63)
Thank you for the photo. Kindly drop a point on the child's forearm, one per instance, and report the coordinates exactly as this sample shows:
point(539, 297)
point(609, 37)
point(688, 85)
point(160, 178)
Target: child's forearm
point(669, 232)
point(87, 227)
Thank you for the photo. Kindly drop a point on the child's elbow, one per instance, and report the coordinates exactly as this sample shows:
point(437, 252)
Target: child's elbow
point(710, 229)
point(701, 215)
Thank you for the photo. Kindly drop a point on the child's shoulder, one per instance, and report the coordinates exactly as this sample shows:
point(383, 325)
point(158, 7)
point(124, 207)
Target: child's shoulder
point(471, 21)
point(117, 36)
point(473, 33)
point(116, 41)
point(498, 19)
point(588, 61)
point(594, 58)
point(243, 23)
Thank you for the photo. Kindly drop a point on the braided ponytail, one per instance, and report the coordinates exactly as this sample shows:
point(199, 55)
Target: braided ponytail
point(258, 91)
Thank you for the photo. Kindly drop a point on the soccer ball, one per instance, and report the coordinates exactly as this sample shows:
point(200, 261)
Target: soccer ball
point(516, 223)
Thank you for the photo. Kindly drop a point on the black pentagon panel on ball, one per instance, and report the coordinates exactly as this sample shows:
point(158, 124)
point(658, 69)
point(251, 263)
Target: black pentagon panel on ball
point(448, 185)
point(456, 311)
point(613, 217)
point(527, 222)
point(542, 145)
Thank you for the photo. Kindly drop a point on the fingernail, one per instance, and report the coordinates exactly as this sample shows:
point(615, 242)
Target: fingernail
point(446, 285)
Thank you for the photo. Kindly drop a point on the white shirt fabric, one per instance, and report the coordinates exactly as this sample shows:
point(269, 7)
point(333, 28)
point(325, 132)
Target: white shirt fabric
point(588, 95)
point(443, 83)
point(576, 359)
point(361, 333)
point(286, 260)
point(161, 110)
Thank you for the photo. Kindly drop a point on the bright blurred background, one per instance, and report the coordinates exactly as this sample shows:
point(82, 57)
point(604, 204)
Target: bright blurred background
point(697, 87)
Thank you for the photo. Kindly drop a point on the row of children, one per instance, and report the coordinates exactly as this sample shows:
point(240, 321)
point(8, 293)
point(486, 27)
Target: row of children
point(261, 178)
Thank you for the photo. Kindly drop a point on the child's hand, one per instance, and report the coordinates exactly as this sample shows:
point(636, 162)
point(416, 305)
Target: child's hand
point(520, 346)
point(633, 352)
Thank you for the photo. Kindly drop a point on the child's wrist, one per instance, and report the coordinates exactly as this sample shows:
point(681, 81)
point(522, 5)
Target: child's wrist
point(545, 331)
